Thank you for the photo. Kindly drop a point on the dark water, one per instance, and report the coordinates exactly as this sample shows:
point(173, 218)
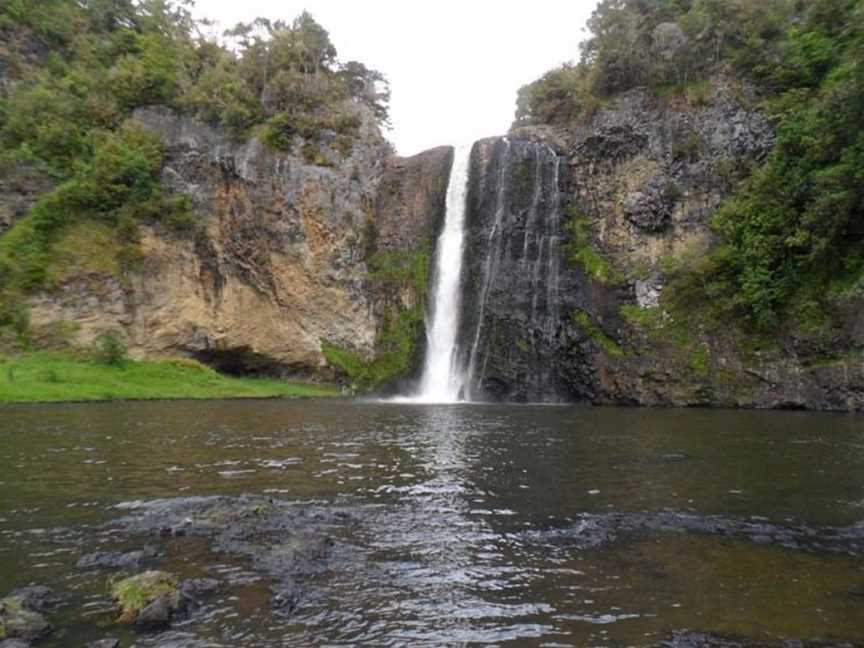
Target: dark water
point(468, 523)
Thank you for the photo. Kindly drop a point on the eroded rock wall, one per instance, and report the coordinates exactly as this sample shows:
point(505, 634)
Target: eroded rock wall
point(517, 291)
point(277, 266)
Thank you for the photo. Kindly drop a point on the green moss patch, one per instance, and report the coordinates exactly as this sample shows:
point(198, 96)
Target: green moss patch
point(597, 334)
point(135, 593)
point(393, 274)
point(581, 252)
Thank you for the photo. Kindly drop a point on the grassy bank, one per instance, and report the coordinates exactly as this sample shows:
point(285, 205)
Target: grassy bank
point(45, 377)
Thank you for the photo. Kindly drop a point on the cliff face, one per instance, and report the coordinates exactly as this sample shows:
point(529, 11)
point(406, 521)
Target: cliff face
point(517, 342)
point(322, 269)
point(277, 266)
point(571, 239)
point(289, 257)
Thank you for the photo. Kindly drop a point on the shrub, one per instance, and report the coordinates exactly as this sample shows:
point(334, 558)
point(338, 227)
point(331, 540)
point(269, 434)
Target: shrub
point(110, 350)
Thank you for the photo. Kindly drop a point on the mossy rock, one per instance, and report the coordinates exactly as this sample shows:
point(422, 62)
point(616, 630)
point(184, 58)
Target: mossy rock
point(16, 621)
point(152, 597)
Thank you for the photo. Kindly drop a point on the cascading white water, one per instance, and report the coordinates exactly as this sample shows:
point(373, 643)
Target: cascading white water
point(443, 378)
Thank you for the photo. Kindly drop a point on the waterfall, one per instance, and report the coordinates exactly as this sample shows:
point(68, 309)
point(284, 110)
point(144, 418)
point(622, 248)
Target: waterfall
point(443, 377)
point(505, 343)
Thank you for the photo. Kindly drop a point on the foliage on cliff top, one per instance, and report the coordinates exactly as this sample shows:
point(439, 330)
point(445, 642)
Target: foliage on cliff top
point(660, 44)
point(793, 231)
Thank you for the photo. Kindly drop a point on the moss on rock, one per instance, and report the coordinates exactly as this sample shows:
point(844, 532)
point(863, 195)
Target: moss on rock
point(19, 622)
point(134, 595)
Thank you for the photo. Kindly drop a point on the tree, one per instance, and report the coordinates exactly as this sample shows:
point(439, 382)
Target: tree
point(312, 43)
point(369, 86)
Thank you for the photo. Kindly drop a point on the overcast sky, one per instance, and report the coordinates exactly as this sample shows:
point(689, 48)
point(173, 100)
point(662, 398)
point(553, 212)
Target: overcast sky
point(454, 65)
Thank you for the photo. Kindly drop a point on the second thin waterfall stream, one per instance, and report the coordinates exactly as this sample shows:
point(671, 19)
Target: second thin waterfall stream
point(443, 378)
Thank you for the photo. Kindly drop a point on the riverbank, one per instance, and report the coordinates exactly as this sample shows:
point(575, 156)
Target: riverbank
point(63, 377)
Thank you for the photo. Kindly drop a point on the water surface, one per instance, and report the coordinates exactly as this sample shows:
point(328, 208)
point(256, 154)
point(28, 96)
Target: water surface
point(468, 523)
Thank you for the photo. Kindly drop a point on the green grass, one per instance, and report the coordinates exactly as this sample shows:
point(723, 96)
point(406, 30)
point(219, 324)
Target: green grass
point(57, 377)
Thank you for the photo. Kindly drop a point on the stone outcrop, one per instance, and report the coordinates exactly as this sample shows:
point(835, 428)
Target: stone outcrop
point(517, 293)
point(20, 185)
point(277, 266)
point(411, 199)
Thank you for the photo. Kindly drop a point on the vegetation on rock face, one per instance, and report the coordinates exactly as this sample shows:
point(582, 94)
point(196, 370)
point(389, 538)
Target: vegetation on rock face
point(792, 234)
point(74, 72)
point(393, 274)
point(597, 334)
point(584, 253)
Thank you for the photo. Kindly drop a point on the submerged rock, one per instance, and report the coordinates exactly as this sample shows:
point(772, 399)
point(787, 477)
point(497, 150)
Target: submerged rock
point(689, 639)
point(116, 560)
point(594, 530)
point(20, 622)
point(14, 643)
point(150, 598)
point(199, 586)
point(285, 543)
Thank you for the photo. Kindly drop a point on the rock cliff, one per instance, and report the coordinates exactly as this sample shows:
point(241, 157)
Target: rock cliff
point(288, 258)
point(322, 269)
point(572, 238)
point(276, 266)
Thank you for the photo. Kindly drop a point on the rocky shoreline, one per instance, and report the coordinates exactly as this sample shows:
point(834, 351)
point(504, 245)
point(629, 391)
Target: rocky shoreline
point(291, 549)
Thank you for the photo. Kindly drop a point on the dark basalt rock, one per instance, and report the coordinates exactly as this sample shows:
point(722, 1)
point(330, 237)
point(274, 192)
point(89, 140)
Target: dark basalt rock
point(591, 531)
point(18, 620)
point(38, 598)
point(22, 615)
point(515, 293)
point(161, 611)
point(116, 560)
point(285, 543)
point(650, 207)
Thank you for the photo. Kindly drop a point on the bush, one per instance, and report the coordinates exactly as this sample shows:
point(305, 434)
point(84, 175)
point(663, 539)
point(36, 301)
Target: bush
point(110, 350)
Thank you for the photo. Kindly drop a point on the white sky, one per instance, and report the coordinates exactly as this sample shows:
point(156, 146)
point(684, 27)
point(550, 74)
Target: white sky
point(454, 66)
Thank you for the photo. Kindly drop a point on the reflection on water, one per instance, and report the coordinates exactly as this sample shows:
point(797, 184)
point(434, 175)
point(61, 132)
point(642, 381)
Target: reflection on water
point(467, 525)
